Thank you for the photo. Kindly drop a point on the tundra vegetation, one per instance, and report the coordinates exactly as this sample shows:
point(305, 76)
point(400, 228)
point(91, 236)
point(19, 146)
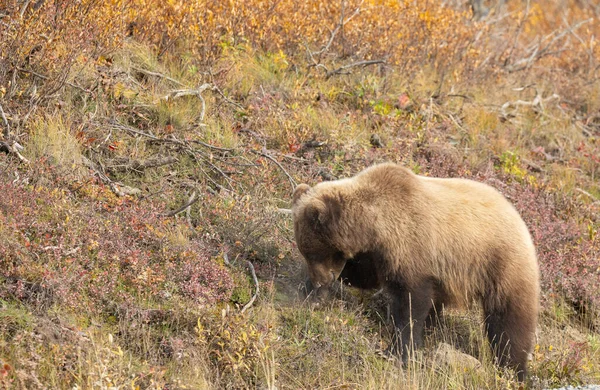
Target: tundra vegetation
point(150, 149)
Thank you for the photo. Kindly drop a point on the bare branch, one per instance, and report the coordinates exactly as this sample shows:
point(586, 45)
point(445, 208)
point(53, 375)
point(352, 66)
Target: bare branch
point(518, 33)
point(124, 164)
point(352, 65)
point(584, 192)
point(268, 156)
point(192, 199)
point(118, 188)
point(538, 53)
point(13, 149)
point(192, 92)
point(251, 302)
point(6, 124)
point(43, 77)
point(341, 24)
point(228, 100)
point(196, 154)
point(159, 75)
point(212, 146)
point(116, 125)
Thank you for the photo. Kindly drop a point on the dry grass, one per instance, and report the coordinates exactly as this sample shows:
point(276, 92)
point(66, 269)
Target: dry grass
point(54, 138)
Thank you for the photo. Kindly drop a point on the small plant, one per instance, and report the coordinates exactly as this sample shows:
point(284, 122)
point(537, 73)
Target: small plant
point(510, 164)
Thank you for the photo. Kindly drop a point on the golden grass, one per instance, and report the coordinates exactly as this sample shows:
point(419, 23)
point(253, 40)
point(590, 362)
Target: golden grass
point(54, 138)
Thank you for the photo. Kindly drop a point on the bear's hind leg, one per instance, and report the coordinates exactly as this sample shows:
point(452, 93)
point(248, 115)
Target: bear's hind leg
point(410, 309)
point(511, 331)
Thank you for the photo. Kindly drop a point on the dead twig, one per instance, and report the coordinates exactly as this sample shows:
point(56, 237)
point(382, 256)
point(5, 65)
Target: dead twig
point(6, 124)
point(584, 192)
point(118, 188)
point(537, 103)
point(46, 78)
point(159, 75)
point(517, 33)
point(337, 29)
point(140, 165)
point(228, 100)
point(251, 302)
point(198, 155)
point(13, 149)
point(192, 199)
point(269, 157)
point(342, 69)
point(538, 53)
point(192, 92)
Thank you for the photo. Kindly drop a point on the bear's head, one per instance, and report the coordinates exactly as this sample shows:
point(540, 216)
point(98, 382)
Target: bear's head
point(317, 212)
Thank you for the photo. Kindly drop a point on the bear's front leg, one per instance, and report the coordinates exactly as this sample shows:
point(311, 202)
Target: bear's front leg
point(410, 309)
point(361, 271)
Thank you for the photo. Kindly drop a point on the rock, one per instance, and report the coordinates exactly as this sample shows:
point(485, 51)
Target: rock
point(376, 141)
point(447, 355)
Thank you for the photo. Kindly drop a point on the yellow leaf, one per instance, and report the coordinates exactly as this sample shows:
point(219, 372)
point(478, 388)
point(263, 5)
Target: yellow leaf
point(118, 89)
point(129, 94)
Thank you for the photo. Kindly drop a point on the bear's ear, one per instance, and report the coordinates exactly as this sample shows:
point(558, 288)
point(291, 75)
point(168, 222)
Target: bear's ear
point(324, 213)
point(300, 190)
point(315, 213)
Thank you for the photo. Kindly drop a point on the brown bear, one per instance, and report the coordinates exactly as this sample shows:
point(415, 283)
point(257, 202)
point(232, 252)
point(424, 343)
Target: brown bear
point(430, 242)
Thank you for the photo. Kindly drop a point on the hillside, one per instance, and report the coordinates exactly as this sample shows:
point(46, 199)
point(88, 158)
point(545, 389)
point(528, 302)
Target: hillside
point(149, 153)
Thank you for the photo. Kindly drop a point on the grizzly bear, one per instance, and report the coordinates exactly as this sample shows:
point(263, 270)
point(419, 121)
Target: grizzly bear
point(431, 242)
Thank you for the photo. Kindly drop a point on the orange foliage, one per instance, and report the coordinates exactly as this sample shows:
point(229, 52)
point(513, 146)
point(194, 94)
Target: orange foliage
point(403, 32)
point(410, 34)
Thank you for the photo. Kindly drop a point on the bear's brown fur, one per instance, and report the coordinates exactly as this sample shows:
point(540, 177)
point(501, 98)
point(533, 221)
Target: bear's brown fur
point(431, 242)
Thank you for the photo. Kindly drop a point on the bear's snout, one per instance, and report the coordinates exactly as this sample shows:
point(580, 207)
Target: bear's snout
point(316, 293)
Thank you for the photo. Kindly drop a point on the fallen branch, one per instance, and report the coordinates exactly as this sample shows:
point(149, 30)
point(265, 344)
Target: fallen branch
point(116, 125)
point(537, 102)
point(212, 146)
point(46, 78)
point(192, 199)
point(192, 92)
point(228, 100)
point(6, 124)
point(268, 156)
point(140, 165)
point(13, 149)
point(584, 192)
point(118, 188)
point(251, 302)
point(352, 65)
point(198, 155)
point(520, 25)
point(159, 75)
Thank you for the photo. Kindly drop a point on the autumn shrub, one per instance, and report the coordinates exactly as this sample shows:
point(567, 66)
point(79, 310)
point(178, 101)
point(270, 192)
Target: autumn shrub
point(568, 256)
point(88, 247)
point(40, 46)
point(236, 345)
point(44, 42)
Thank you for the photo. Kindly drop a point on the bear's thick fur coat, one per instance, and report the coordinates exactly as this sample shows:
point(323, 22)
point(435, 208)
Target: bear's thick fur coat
point(430, 242)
